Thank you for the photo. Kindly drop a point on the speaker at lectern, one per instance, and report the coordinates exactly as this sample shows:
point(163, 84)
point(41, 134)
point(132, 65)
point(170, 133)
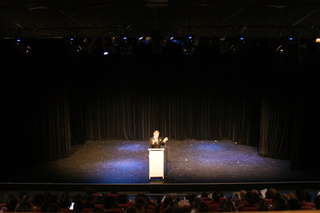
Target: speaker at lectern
point(156, 162)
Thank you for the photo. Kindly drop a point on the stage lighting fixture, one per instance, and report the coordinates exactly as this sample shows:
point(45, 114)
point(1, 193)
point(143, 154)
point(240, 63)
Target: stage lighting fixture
point(75, 45)
point(144, 40)
point(280, 49)
point(124, 37)
point(71, 39)
point(317, 40)
point(22, 46)
point(176, 40)
point(189, 37)
point(123, 45)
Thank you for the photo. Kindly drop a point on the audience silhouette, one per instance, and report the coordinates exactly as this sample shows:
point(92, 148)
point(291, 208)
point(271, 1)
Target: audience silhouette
point(91, 201)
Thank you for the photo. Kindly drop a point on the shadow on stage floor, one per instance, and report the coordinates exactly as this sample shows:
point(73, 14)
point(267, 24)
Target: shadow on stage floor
point(188, 163)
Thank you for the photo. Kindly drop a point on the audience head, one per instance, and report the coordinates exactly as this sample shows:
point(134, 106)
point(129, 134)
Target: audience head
point(235, 197)
point(166, 202)
point(216, 196)
point(196, 202)
point(191, 198)
point(204, 195)
point(242, 194)
point(21, 195)
point(143, 196)
point(184, 203)
point(65, 200)
point(270, 193)
point(279, 202)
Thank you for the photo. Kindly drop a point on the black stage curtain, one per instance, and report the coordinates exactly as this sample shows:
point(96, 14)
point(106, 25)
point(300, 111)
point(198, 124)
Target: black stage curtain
point(183, 99)
point(64, 102)
point(197, 112)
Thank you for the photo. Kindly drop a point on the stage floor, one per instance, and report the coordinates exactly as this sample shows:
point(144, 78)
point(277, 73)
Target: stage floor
point(188, 161)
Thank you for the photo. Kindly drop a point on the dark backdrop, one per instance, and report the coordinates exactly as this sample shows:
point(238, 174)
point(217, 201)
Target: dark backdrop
point(52, 102)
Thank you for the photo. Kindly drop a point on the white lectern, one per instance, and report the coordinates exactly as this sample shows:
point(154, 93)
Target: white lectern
point(156, 162)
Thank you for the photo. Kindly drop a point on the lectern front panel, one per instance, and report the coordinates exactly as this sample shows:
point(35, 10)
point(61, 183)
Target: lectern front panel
point(156, 162)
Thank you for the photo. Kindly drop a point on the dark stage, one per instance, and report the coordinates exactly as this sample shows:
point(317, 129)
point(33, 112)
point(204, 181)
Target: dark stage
point(190, 165)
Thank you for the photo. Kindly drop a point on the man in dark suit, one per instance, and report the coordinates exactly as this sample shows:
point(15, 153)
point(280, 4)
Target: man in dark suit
point(156, 141)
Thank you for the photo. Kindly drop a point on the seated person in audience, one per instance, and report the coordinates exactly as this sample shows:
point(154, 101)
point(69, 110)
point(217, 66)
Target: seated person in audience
point(204, 196)
point(263, 205)
point(279, 203)
point(10, 202)
point(304, 197)
point(203, 207)
point(163, 205)
point(187, 202)
point(172, 207)
point(250, 203)
point(294, 204)
point(37, 201)
point(215, 196)
point(317, 201)
point(123, 199)
point(195, 204)
point(242, 194)
point(235, 198)
point(25, 204)
point(144, 196)
point(270, 193)
point(65, 200)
